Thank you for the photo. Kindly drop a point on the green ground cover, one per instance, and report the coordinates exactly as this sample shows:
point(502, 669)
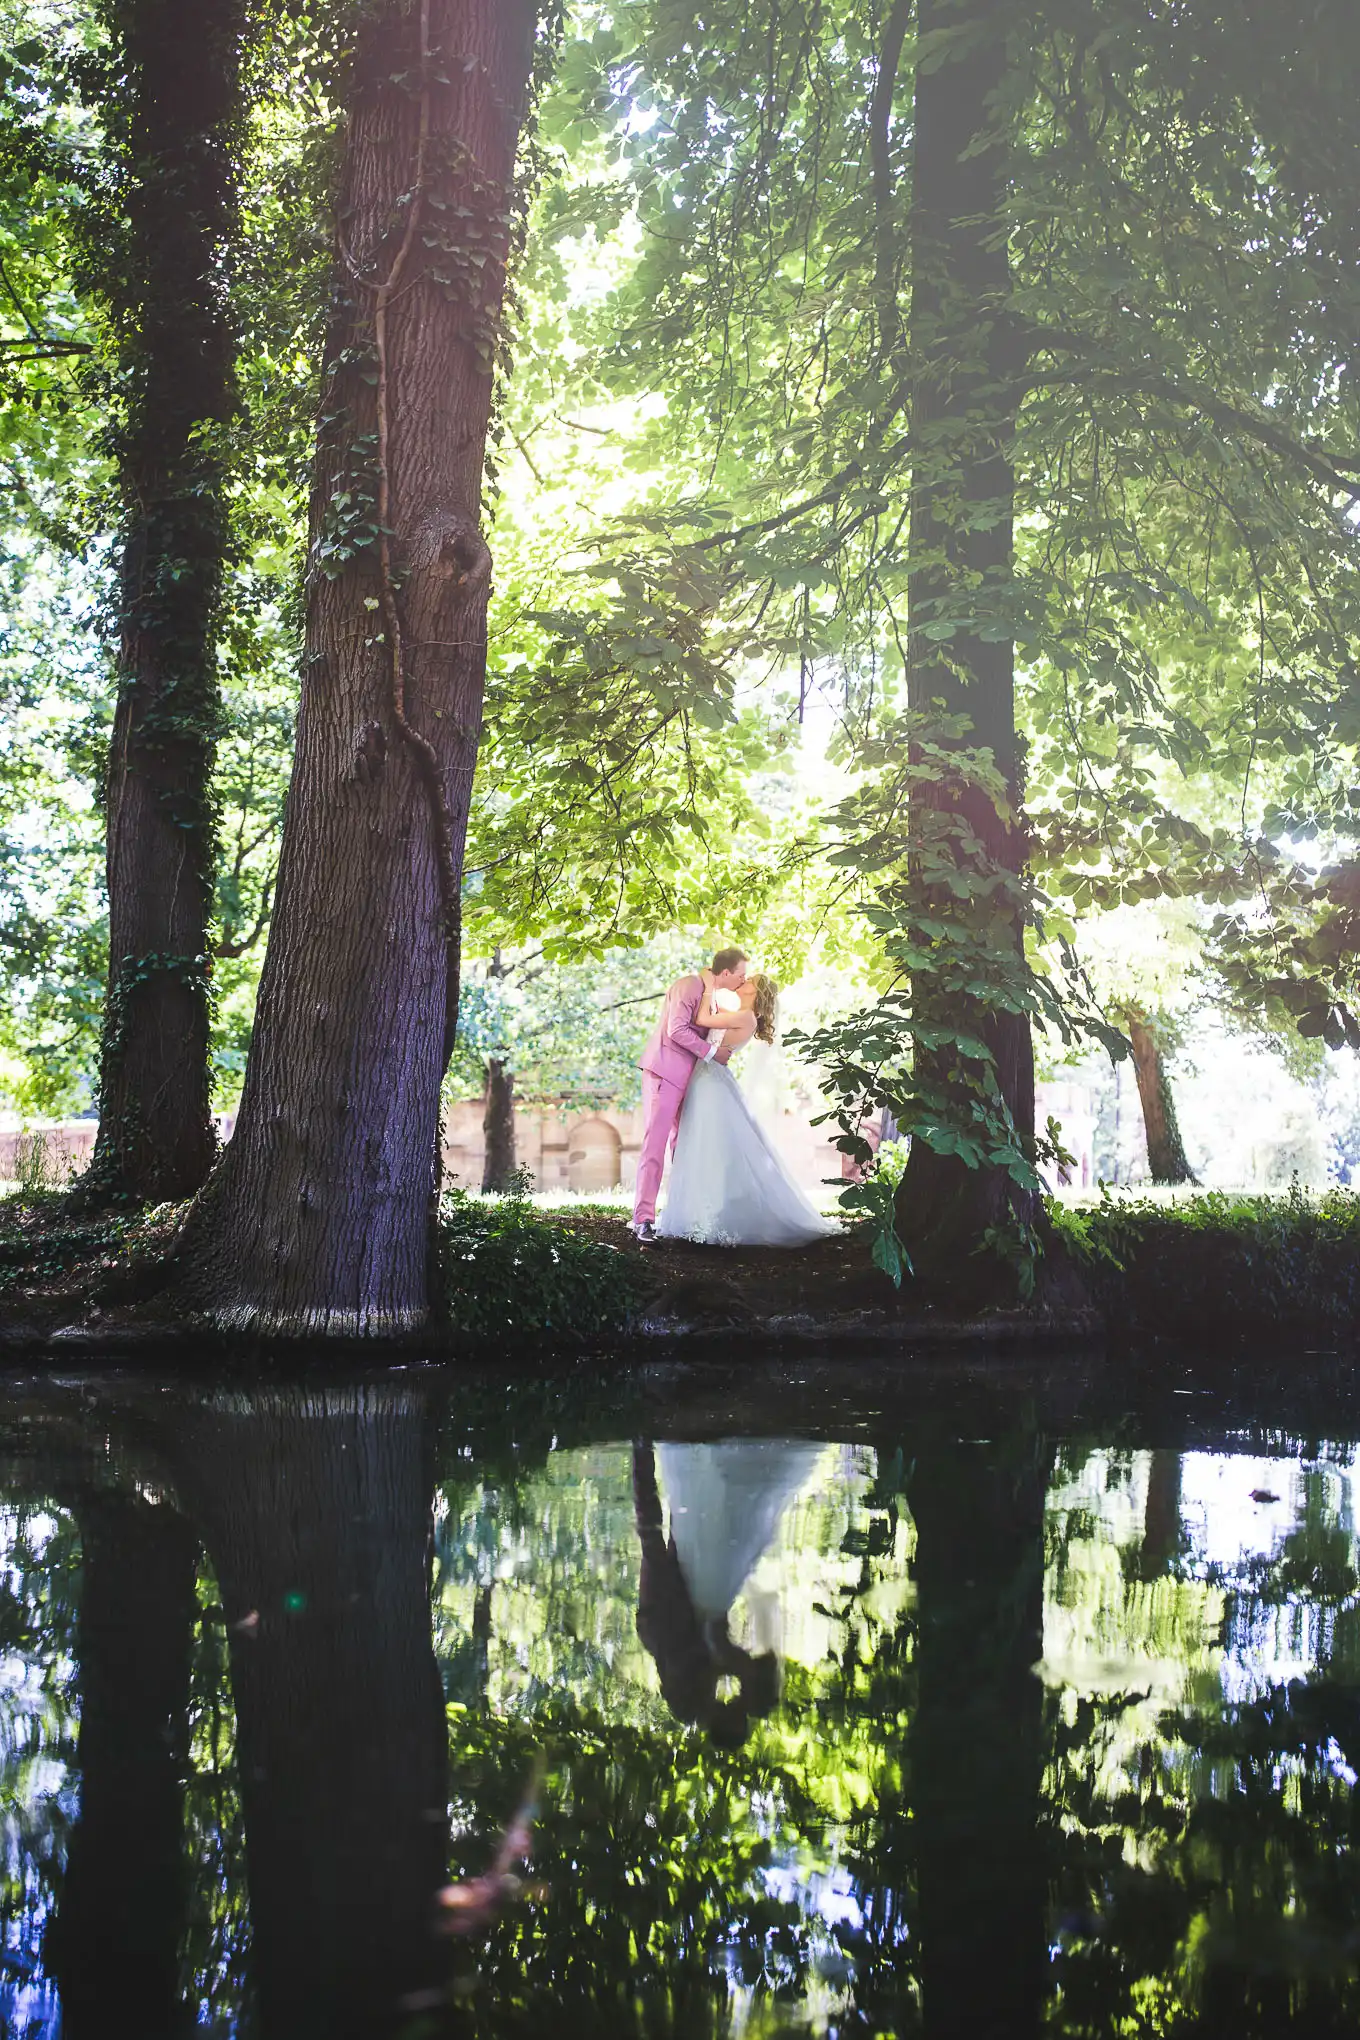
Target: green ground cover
point(1219, 1262)
point(505, 1268)
point(1213, 1264)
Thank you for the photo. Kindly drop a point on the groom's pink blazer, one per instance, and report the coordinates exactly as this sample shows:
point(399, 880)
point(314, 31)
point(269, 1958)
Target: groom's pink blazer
point(673, 1048)
point(675, 1043)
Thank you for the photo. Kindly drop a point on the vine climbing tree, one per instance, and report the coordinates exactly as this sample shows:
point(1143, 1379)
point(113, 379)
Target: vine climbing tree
point(961, 649)
point(317, 1217)
point(156, 236)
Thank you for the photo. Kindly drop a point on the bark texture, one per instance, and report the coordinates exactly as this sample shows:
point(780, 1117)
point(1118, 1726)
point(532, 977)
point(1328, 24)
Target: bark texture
point(977, 1741)
point(498, 1126)
point(315, 1510)
point(317, 1220)
point(116, 1937)
point(1167, 1161)
point(965, 402)
point(172, 100)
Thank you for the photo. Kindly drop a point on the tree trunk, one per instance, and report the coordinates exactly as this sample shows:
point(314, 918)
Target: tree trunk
point(172, 104)
point(1161, 1516)
point(498, 1126)
point(965, 403)
point(121, 1917)
point(317, 1219)
point(315, 1509)
point(1166, 1153)
point(977, 1742)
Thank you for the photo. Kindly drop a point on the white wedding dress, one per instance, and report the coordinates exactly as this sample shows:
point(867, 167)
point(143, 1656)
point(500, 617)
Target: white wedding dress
point(726, 1502)
point(729, 1186)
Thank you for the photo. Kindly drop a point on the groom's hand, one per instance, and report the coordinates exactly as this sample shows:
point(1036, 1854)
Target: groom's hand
point(724, 1055)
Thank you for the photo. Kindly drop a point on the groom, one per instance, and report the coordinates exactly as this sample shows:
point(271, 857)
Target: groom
point(668, 1060)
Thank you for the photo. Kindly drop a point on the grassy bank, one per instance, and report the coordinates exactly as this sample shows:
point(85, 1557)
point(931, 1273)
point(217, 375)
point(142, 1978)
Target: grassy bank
point(502, 1268)
point(1208, 1267)
point(1221, 1262)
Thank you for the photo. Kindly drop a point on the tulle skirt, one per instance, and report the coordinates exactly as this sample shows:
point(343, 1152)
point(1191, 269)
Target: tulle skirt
point(729, 1186)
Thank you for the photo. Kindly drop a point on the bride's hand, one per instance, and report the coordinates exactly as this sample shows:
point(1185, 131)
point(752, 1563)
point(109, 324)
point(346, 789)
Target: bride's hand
point(707, 979)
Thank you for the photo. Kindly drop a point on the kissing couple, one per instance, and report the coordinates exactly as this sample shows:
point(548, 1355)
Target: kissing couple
point(729, 1186)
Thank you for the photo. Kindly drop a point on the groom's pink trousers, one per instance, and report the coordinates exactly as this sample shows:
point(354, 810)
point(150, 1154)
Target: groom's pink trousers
point(661, 1104)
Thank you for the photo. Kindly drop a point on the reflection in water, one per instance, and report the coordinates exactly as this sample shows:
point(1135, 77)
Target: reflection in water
point(726, 1501)
point(976, 1743)
point(943, 1736)
point(314, 1510)
point(116, 1935)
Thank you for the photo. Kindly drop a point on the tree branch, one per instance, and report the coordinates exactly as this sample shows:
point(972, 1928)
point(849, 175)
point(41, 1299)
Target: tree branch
point(41, 349)
point(1339, 471)
point(880, 164)
point(229, 951)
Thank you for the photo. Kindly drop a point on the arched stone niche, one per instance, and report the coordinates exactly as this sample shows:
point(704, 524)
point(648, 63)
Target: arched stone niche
point(594, 1156)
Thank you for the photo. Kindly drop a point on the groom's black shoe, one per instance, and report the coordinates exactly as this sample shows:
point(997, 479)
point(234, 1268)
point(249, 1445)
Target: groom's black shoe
point(645, 1234)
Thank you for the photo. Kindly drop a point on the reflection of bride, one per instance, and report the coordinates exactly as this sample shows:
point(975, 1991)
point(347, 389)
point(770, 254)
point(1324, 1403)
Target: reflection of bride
point(725, 1503)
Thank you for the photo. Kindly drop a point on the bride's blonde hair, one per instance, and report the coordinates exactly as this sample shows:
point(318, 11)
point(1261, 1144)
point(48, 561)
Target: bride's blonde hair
point(763, 1006)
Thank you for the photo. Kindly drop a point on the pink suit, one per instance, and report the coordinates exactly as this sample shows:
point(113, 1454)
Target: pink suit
point(668, 1060)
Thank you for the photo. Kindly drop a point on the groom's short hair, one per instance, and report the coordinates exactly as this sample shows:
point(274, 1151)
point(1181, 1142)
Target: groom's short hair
point(728, 959)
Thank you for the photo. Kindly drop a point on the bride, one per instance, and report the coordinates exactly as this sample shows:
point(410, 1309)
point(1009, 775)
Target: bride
point(729, 1186)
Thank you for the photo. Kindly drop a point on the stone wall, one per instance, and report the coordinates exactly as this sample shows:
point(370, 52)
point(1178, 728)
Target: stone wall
point(66, 1149)
point(593, 1151)
point(584, 1151)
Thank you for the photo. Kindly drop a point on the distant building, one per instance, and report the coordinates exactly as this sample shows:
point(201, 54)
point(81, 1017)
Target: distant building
point(585, 1151)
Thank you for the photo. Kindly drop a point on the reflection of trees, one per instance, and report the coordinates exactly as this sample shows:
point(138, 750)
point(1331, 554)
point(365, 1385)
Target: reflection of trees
point(876, 1857)
point(315, 1510)
point(38, 1617)
point(1161, 1514)
point(976, 1753)
point(1203, 1852)
point(1221, 1894)
point(116, 1938)
point(677, 1873)
point(215, 1960)
point(652, 1856)
point(330, 1735)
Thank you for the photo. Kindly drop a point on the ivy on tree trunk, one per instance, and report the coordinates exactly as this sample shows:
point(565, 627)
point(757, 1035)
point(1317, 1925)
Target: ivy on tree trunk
point(961, 652)
point(317, 1219)
point(169, 92)
point(1167, 1162)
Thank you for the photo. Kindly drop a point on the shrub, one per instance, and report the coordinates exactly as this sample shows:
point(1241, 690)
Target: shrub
point(1221, 1261)
point(505, 1269)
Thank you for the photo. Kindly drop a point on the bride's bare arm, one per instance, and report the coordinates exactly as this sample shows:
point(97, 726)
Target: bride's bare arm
point(707, 1014)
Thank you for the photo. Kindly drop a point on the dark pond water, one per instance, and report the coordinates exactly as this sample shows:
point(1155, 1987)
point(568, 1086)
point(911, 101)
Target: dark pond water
point(824, 1703)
